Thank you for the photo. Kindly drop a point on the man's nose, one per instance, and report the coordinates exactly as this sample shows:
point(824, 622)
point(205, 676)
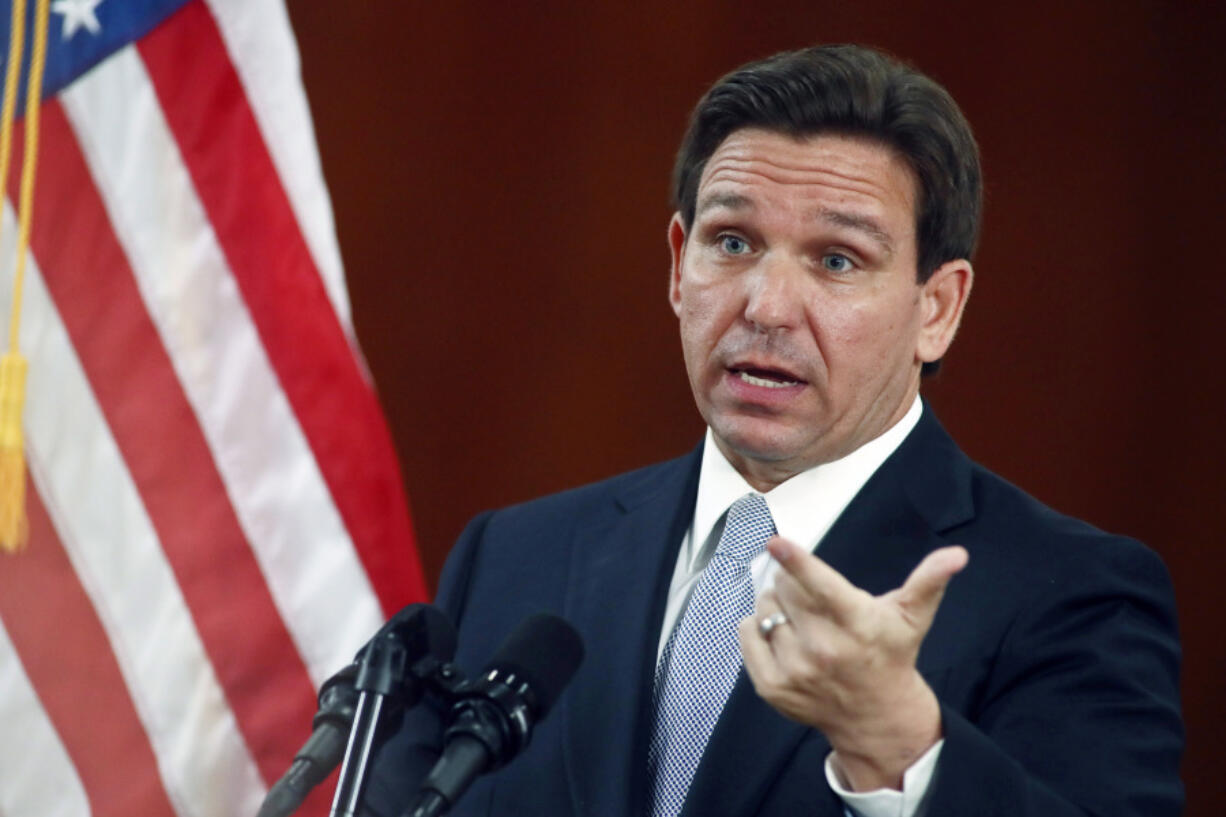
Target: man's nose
point(773, 299)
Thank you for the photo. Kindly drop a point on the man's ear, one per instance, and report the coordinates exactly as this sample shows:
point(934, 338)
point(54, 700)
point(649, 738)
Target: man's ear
point(942, 299)
point(676, 246)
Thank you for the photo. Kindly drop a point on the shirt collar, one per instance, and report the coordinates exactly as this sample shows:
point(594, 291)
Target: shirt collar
point(806, 505)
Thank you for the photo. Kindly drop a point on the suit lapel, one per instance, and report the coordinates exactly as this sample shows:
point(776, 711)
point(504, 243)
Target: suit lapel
point(622, 563)
point(895, 520)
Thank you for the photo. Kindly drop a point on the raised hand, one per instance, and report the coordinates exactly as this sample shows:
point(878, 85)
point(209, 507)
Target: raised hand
point(844, 662)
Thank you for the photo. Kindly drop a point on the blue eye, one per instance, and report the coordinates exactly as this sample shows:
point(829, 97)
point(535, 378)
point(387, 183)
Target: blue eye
point(837, 262)
point(733, 245)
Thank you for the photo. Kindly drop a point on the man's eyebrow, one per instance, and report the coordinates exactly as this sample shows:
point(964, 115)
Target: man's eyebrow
point(731, 201)
point(863, 224)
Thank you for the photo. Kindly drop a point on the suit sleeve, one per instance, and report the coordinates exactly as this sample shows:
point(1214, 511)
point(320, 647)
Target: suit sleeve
point(1079, 714)
point(407, 754)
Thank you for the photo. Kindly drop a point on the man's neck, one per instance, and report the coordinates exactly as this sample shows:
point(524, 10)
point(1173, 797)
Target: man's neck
point(766, 475)
point(805, 504)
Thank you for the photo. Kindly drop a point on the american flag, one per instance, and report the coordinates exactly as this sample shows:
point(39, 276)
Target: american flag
point(216, 514)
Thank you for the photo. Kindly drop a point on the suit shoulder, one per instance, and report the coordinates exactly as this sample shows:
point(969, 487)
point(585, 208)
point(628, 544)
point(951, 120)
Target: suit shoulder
point(1036, 540)
point(522, 554)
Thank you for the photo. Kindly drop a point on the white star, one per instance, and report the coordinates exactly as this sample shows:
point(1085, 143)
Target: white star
point(77, 14)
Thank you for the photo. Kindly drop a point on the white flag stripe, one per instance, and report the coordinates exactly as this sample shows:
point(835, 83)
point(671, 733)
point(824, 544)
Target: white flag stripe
point(115, 553)
point(31, 751)
point(262, 49)
point(279, 496)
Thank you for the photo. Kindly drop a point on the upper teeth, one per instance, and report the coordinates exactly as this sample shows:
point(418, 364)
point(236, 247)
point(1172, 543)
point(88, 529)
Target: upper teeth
point(762, 381)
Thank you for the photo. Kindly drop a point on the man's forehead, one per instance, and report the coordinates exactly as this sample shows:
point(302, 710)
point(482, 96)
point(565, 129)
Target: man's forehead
point(839, 180)
point(858, 165)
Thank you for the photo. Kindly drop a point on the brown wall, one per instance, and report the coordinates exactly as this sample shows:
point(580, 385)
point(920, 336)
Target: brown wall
point(500, 185)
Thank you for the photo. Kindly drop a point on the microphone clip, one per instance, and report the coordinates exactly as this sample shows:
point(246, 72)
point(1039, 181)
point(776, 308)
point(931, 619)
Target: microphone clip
point(498, 710)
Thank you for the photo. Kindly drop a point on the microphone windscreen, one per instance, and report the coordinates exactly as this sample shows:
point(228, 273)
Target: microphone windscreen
point(544, 651)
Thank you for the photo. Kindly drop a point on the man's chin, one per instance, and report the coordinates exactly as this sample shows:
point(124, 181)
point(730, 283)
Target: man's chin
point(759, 442)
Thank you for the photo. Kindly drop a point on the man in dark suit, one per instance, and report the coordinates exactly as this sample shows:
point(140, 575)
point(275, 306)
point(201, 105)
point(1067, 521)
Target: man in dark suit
point(828, 204)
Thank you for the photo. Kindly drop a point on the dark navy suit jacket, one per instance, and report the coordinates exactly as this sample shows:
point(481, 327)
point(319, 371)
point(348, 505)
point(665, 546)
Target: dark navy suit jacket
point(1054, 653)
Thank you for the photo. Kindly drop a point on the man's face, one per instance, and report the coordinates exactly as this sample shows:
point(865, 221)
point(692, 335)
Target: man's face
point(802, 322)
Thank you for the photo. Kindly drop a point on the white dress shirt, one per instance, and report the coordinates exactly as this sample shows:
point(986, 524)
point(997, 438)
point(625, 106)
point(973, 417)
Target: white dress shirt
point(804, 507)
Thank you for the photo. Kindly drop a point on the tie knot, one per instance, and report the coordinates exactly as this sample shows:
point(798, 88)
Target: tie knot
point(748, 526)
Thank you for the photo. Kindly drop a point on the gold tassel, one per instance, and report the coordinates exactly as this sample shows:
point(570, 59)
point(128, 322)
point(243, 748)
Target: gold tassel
point(14, 526)
point(14, 529)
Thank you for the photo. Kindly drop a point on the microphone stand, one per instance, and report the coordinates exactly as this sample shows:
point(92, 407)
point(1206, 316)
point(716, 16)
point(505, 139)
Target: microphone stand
point(385, 677)
point(380, 674)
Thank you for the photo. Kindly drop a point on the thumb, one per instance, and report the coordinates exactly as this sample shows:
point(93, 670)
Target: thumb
point(921, 594)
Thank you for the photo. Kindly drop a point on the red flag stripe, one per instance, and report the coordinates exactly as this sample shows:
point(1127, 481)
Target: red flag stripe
point(258, 35)
point(305, 341)
point(88, 277)
point(53, 626)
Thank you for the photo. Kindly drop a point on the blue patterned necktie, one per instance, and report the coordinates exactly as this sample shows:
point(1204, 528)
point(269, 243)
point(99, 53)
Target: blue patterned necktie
point(702, 658)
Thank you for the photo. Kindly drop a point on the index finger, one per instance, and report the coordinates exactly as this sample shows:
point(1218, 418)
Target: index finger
point(821, 582)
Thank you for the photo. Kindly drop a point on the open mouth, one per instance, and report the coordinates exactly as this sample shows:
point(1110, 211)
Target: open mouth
point(766, 378)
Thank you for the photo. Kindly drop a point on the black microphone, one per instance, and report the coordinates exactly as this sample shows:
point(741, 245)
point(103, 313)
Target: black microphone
point(424, 631)
point(322, 751)
point(492, 720)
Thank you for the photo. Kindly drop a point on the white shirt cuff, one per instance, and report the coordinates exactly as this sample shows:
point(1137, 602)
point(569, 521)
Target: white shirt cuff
point(888, 802)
